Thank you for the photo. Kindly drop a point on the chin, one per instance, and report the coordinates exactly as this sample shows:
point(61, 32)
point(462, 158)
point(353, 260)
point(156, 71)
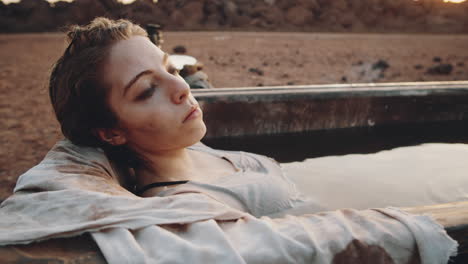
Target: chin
point(200, 132)
point(194, 135)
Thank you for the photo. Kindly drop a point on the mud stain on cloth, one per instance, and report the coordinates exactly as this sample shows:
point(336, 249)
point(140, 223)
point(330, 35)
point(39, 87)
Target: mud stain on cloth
point(176, 228)
point(359, 252)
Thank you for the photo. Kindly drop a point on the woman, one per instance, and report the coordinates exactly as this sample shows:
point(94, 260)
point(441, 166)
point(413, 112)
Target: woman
point(114, 90)
point(127, 98)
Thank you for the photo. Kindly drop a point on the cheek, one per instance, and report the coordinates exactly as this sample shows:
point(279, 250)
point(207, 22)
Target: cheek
point(144, 121)
point(148, 121)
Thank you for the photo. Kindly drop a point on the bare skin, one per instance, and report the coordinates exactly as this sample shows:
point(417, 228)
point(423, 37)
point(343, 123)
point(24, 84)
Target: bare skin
point(158, 116)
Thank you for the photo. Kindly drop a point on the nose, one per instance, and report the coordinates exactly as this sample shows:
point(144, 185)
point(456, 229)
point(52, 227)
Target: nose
point(180, 91)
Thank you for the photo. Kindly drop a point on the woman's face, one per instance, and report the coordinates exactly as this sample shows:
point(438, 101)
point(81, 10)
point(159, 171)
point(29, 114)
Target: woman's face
point(154, 105)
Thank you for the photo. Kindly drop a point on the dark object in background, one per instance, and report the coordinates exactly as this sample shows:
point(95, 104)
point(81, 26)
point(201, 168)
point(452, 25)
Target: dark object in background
point(155, 34)
point(437, 59)
point(195, 77)
point(441, 69)
point(256, 70)
point(179, 49)
point(192, 74)
point(380, 64)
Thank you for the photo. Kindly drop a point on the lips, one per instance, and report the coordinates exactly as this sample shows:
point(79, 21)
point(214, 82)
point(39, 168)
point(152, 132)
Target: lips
point(193, 112)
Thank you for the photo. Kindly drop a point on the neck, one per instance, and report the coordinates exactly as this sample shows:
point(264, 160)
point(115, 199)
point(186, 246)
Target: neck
point(174, 165)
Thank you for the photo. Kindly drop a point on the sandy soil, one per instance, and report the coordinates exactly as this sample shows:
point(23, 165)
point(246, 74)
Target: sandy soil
point(29, 129)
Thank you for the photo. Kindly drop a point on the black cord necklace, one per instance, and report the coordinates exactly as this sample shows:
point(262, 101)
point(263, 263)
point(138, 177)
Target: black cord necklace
point(157, 184)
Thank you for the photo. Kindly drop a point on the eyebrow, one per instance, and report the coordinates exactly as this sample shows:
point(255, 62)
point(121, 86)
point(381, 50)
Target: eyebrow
point(145, 72)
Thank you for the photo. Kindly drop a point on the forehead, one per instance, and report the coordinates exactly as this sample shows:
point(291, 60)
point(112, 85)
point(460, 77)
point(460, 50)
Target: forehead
point(129, 57)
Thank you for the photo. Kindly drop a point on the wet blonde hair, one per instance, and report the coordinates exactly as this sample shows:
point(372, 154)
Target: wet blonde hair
point(76, 88)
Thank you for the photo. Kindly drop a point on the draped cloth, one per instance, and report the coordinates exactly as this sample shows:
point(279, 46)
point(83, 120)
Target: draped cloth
point(410, 176)
point(76, 190)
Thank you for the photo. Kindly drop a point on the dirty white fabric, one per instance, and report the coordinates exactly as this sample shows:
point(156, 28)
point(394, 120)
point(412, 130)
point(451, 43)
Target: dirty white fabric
point(258, 186)
point(75, 190)
point(402, 177)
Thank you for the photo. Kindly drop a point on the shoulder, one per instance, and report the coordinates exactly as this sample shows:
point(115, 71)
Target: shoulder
point(65, 152)
point(66, 160)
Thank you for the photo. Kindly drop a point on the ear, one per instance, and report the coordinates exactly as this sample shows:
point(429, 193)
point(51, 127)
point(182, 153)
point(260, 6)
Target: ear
point(112, 136)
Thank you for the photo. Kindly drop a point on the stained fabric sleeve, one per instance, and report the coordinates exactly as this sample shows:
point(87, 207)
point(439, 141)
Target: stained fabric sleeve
point(343, 236)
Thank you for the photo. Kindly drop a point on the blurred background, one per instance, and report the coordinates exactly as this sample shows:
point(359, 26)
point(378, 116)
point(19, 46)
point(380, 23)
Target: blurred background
point(241, 43)
point(430, 16)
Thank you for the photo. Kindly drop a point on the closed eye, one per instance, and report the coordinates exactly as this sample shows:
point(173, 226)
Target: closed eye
point(146, 93)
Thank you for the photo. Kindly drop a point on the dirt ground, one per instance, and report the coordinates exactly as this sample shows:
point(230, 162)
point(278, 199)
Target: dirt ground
point(232, 59)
